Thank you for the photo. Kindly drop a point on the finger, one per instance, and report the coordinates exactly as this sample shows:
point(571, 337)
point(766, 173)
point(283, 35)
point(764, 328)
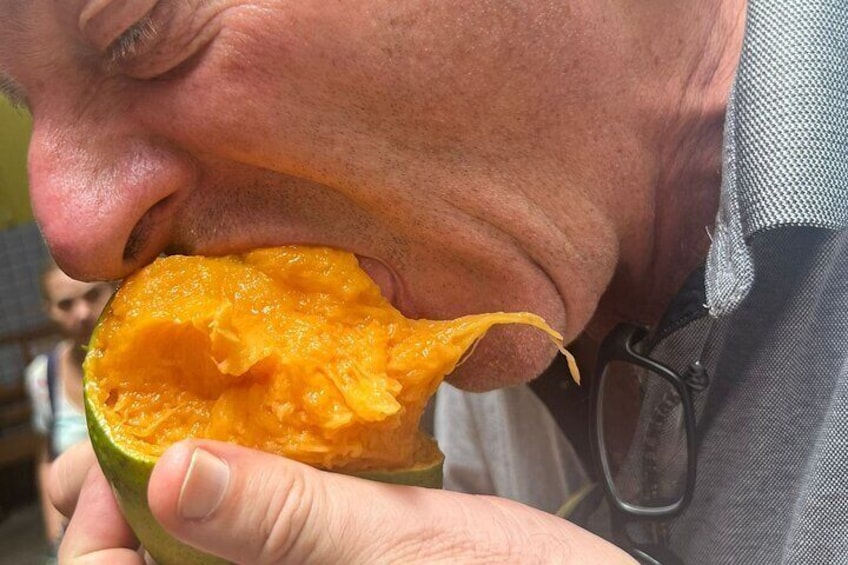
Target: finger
point(252, 507)
point(67, 474)
point(97, 532)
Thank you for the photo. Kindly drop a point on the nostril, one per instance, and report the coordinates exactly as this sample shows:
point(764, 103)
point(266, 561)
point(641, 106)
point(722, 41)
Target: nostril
point(119, 188)
point(135, 242)
point(143, 231)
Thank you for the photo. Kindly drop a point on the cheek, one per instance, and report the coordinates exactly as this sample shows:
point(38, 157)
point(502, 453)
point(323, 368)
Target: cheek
point(449, 281)
point(63, 319)
point(100, 304)
point(223, 108)
point(294, 93)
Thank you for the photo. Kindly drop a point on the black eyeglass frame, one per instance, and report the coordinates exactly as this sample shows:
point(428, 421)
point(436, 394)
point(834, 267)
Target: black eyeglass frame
point(619, 345)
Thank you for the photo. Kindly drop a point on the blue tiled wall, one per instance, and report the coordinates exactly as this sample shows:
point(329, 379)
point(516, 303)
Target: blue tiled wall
point(22, 252)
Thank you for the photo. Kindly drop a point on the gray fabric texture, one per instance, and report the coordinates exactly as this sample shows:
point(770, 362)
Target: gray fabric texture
point(772, 482)
point(505, 443)
point(786, 136)
point(772, 427)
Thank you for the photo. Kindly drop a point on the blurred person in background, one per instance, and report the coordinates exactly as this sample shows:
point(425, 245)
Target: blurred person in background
point(54, 379)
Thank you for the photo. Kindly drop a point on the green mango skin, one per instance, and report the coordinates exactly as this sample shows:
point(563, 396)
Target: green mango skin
point(421, 475)
point(129, 477)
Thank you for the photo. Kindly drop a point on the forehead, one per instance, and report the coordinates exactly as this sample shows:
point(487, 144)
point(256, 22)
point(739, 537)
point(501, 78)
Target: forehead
point(20, 15)
point(18, 24)
point(13, 13)
point(28, 27)
point(34, 43)
point(60, 286)
point(12, 27)
point(18, 20)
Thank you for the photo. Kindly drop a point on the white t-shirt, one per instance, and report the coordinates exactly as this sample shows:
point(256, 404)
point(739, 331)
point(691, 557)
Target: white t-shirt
point(68, 423)
point(506, 443)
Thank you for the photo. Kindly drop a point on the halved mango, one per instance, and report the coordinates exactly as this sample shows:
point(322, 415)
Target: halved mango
point(289, 350)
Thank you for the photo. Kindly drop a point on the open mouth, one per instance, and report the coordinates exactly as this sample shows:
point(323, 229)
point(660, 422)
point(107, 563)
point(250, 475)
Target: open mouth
point(388, 282)
point(384, 276)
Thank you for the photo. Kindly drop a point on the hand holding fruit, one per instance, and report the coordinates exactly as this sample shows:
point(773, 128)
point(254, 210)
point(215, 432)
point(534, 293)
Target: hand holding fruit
point(292, 351)
point(274, 510)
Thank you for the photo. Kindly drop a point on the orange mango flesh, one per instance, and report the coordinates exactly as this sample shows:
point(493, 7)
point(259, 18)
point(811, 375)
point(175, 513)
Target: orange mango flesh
point(290, 350)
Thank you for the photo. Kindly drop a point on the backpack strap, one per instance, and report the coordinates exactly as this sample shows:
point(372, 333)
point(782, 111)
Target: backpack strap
point(51, 392)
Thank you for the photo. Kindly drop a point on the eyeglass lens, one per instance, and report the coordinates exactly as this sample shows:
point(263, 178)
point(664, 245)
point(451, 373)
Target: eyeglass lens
point(642, 426)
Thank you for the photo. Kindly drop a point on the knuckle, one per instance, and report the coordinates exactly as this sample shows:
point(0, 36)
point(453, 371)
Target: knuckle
point(284, 519)
point(58, 488)
point(66, 477)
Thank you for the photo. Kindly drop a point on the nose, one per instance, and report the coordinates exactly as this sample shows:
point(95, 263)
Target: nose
point(105, 201)
point(83, 312)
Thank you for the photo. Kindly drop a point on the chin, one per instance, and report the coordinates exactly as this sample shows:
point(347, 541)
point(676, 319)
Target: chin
point(507, 356)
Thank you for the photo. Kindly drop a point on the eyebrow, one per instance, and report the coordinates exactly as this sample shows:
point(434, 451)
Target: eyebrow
point(12, 91)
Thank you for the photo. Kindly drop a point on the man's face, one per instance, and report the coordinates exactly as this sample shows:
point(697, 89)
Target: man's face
point(400, 131)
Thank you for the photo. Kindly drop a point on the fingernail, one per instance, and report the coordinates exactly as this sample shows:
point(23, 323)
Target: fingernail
point(204, 486)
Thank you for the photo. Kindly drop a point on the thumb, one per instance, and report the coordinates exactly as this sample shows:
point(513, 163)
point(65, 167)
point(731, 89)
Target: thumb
point(252, 507)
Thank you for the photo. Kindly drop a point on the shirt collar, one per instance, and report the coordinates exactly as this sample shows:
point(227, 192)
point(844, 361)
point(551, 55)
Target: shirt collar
point(786, 137)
